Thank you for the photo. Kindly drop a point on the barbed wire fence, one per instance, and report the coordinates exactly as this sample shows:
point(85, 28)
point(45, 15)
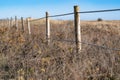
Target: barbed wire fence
point(76, 22)
point(10, 22)
point(77, 36)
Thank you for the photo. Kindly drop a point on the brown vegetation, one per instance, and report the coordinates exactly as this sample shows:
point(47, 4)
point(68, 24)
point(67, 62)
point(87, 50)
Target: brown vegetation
point(27, 57)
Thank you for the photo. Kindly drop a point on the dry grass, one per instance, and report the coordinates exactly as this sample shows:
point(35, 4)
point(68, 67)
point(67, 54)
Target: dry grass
point(27, 57)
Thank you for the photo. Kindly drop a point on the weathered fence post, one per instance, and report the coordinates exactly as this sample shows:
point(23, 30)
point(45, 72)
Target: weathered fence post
point(28, 24)
point(7, 22)
point(77, 28)
point(16, 22)
point(47, 28)
point(22, 22)
point(3, 24)
point(11, 22)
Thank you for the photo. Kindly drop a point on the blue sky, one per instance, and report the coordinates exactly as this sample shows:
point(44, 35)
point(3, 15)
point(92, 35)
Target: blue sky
point(37, 8)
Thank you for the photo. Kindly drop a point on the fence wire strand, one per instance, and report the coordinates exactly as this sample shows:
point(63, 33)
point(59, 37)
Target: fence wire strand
point(84, 12)
point(104, 47)
point(98, 11)
point(61, 15)
point(37, 19)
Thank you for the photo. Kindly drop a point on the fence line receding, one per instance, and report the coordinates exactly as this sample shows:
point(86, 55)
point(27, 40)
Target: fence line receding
point(76, 25)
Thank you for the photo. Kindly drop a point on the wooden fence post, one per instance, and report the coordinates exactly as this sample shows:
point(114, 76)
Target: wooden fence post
point(3, 24)
point(16, 22)
point(77, 28)
point(28, 24)
point(22, 22)
point(47, 28)
point(11, 22)
point(8, 23)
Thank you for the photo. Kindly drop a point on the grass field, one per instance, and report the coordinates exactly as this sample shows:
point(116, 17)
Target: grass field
point(27, 57)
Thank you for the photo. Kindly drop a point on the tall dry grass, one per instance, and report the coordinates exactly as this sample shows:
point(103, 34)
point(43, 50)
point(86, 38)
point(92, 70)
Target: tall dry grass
point(27, 57)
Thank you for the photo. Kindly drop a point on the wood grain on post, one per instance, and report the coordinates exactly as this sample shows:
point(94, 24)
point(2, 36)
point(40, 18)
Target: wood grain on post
point(22, 22)
point(28, 24)
point(47, 28)
point(77, 28)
